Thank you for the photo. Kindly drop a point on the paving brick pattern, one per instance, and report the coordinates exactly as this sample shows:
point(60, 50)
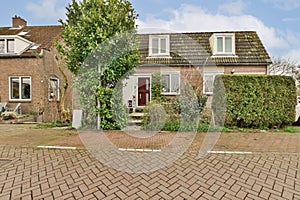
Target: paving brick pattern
point(75, 174)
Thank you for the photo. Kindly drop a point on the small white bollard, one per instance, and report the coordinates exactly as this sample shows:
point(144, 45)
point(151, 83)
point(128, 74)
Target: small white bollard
point(77, 118)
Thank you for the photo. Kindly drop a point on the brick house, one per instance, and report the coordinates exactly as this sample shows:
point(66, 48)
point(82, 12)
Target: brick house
point(29, 72)
point(193, 57)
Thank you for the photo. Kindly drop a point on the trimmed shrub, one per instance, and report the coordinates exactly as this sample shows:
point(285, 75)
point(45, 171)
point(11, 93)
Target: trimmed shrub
point(253, 101)
point(177, 113)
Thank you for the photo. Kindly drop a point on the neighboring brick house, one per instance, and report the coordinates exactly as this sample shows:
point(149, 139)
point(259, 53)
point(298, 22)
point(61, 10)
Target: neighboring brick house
point(193, 57)
point(29, 72)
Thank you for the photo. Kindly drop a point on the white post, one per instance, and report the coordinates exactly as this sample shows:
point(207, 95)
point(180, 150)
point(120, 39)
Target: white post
point(98, 101)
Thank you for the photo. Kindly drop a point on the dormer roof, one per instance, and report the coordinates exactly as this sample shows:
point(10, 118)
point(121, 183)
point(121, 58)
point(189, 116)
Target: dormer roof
point(40, 37)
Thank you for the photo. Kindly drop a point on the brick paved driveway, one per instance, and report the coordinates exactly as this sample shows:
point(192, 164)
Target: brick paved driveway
point(32, 173)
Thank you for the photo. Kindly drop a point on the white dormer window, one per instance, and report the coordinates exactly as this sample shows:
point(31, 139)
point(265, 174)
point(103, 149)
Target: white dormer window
point(159, 45)
point(7, 46)
point(14, 45)
point(223, 44)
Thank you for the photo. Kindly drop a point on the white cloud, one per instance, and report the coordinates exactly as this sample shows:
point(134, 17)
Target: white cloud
point(46, 9)
point(233, 7)
point(285, 4)
point(294, 52)
point(294, 55)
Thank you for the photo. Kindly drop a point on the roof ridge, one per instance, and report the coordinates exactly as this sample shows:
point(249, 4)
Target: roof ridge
point(43, 26)
point(198, 32)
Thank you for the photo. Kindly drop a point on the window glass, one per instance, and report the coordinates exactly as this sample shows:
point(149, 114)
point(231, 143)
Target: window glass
point(2, 46)
point(175, 83)
point(15, 88)
point(155, 45)
point(25, 88)
point(208, 83)
point(228, 44)
point(165, 83)
point(220, 44)
point(10, 46)
point(163, 45)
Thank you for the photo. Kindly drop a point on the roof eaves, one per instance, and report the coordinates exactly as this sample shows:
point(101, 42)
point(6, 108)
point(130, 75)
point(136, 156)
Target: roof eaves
point(19, 56)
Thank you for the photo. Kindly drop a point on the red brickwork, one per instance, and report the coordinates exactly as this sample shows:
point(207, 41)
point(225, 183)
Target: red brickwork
point(18, 22)
point(40, 70)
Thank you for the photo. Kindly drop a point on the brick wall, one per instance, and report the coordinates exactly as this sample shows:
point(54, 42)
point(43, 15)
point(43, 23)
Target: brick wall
point(40, 70)
point(49, 70)
point(19, 67)
point(194, 75)
point(245, 69)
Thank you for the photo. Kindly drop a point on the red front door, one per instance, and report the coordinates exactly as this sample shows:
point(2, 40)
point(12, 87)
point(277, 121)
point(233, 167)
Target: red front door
point(143, 91)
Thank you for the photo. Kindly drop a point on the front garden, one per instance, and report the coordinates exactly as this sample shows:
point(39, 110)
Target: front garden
point(240, 102)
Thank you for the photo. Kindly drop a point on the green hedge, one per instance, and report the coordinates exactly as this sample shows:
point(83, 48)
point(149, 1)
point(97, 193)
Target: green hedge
point(254, 101)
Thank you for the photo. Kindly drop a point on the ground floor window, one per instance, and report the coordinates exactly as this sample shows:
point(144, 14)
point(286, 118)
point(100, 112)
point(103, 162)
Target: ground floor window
point(20, 88)
point(170, 83)
point(208, 83)
point(53, 93)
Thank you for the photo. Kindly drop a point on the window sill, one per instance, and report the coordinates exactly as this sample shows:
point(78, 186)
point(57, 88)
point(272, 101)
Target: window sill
point(20, 100)
point(224, 56)
point(159, 56)
point(170, 94)
point(51, 100)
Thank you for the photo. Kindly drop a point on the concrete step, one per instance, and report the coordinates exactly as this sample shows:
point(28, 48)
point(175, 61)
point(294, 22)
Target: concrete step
point(136, 115)
point(135, 122)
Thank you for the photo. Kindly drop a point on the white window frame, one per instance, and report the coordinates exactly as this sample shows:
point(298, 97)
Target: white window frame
point(223, 52)
point(204, 82)
point(159, 54)
point(170, 77)
point(50, 96)
point(20, 88)
point(6, 45)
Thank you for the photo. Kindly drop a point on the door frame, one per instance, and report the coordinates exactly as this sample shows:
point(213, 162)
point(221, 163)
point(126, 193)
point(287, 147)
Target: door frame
point(137, 90)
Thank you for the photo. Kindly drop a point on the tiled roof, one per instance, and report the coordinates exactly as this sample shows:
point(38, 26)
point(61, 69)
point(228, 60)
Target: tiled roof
point(194, 49)
point(185, 48)
point(43, 36)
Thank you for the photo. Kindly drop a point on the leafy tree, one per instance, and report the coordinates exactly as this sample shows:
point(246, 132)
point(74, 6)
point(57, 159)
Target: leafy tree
point(99, 45)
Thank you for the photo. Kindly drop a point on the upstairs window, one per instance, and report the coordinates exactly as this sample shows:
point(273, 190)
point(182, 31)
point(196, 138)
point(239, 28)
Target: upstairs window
point(159, 45)
point(7, 46)
point(223, 44)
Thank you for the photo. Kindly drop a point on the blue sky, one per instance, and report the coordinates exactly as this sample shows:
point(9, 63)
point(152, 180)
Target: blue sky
point(276, 21)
